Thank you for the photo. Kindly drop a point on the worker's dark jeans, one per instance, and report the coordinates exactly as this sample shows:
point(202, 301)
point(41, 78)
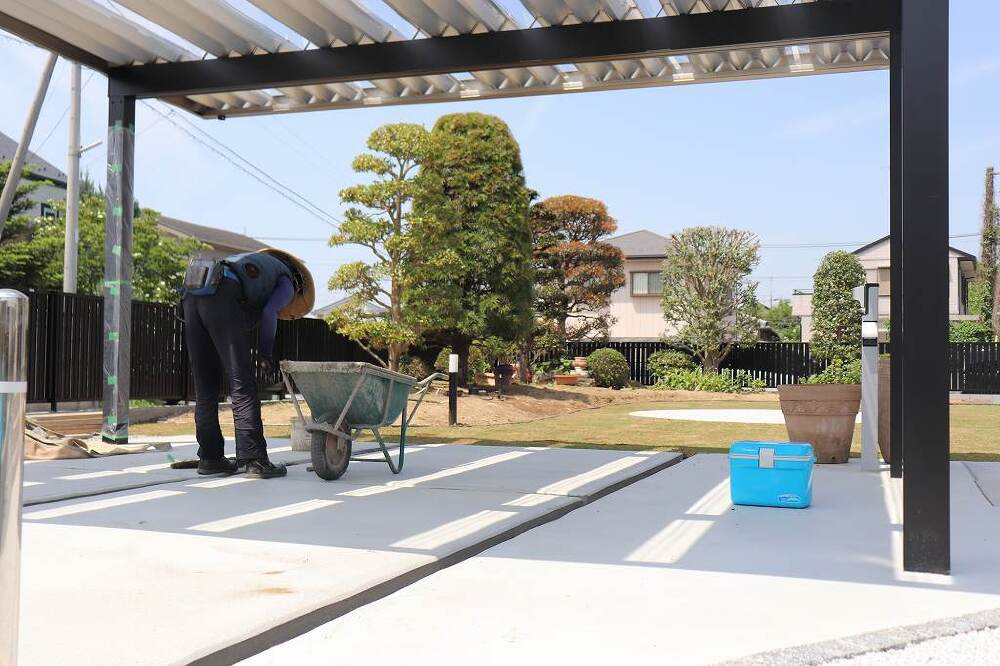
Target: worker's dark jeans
point(218, 331)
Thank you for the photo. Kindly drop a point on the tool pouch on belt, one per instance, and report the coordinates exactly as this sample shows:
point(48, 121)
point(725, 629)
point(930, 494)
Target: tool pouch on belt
point(202, 277)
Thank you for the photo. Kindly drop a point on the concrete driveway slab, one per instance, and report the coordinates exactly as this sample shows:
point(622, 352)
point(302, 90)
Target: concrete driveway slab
point(179, 571)
point(667, 571)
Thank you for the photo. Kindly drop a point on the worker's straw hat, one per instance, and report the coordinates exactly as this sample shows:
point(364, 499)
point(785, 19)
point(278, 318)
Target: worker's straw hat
point(305, 293)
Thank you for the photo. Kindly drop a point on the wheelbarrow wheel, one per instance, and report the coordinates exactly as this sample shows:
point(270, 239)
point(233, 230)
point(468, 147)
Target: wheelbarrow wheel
point(331, 453)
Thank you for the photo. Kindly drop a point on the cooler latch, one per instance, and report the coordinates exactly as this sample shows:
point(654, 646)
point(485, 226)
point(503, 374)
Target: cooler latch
point(766, 459)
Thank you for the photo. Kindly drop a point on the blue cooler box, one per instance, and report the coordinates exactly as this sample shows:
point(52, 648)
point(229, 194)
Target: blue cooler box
point(771, 473)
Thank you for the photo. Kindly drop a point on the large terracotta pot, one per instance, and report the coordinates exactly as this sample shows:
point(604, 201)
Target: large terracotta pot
point(823, 415)
point(566, 380)
point(884, 395)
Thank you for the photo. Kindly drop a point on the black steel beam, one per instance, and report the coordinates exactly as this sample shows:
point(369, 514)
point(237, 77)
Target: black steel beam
point(510, 49)
point(922, 331)
point(895, 254)
point(51, 43)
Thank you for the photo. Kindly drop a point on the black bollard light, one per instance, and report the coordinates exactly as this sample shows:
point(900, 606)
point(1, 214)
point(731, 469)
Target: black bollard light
point(452, 389)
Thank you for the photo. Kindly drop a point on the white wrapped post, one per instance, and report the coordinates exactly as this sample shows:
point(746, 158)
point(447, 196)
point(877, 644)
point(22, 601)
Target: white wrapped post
point(13, 389)
point(869, 381)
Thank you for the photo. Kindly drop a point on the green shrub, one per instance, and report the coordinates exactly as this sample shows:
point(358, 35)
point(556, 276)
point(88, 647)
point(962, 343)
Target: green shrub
point(836, 313)
point(970, 331)
point(416, 366)
point(668, 360)
point(739, 381)
point(478, 365)
point(838, 372)
point(608, 368)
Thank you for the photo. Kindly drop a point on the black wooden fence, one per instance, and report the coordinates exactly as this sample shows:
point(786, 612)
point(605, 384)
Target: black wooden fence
point(65, 353)
point(65, 349)
point(974, 366)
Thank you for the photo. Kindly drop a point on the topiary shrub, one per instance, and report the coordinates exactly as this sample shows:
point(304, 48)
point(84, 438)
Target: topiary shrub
point(836, 313)
point(838, 372)
point(608, 368)
point(669, 360)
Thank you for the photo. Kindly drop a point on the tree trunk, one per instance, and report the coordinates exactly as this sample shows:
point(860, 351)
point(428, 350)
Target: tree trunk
point(461, 344)
point(395, 352)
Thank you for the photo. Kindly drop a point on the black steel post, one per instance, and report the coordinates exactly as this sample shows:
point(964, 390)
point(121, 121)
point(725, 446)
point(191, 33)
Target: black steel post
point(895, 252)
point(922, 330)
point(118, 267)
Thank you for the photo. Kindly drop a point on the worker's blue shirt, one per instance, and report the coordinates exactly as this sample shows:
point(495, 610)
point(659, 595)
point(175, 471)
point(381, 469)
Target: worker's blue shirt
point(282, 295)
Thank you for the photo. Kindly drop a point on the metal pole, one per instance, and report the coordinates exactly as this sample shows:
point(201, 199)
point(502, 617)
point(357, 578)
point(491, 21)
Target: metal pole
point(14, 175)
point(869, 381)
point(13, 386)
point(922, 332)
point(118, 268)
point(72, 184)
point(452, 389)
point(895, 249)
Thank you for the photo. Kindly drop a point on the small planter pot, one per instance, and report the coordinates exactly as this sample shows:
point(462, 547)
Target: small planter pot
point(566, 380)
point(823, 415)
point(580, 362)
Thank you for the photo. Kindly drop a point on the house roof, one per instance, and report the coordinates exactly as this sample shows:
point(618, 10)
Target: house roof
point(42, 168)
point(640, 244)
point(961, 253)
point(370, 308)
point(211, 235)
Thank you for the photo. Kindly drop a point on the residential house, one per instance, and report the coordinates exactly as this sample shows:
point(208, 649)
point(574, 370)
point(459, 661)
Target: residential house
point(370, 308)
point(41, 170)
point(874, 258)
point(221, 243)
point(636, 306)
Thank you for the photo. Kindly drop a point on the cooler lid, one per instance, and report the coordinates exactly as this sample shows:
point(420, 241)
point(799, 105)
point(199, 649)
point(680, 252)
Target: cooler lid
point(797, 450)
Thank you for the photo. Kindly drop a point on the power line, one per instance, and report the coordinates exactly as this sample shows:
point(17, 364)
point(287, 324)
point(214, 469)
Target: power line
point(316, 211)
point(281, 189)
point(63, 116)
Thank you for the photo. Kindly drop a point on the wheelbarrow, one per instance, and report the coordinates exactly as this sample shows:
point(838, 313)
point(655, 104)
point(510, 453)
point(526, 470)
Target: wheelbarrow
point(346, 399)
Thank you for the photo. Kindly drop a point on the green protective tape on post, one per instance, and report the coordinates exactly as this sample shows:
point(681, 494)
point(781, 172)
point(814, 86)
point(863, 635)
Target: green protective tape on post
point(112, 336)
point(116, 250)
point(114, 438)
point(111, 421)
point(112, 380)
point(116, 167)
point(117, 211)
point(118, 125)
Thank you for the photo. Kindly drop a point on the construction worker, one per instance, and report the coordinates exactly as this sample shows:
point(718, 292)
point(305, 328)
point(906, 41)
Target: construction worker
point(224, 302)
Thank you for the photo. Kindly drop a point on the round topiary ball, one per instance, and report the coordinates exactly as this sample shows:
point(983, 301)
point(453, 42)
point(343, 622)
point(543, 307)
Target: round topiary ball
point(608, 368)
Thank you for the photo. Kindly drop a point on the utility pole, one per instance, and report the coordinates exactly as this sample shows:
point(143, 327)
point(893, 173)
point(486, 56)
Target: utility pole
point(72, 242)
point(14, 176)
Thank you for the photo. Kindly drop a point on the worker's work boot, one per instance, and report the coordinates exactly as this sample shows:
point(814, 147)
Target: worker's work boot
point(221, 465)
point(262, 468)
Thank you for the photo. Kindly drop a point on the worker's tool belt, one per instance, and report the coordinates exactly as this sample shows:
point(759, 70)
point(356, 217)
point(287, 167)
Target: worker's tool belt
point(203, 276)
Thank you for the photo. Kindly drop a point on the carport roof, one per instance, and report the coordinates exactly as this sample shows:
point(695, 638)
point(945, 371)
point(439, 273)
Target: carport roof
point(618, 44)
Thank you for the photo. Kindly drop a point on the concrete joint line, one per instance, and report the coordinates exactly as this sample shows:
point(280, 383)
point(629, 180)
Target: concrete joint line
point(286, 631)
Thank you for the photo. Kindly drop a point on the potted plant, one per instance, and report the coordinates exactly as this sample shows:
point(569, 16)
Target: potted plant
point(564, 375)
point(823, 408)
point(501, 354)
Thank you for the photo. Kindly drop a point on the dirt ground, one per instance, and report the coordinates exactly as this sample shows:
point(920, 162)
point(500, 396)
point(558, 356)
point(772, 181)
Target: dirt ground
point(524, 403)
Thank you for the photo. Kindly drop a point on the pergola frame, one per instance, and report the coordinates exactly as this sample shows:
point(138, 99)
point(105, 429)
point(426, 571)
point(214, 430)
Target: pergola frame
point(918, 30)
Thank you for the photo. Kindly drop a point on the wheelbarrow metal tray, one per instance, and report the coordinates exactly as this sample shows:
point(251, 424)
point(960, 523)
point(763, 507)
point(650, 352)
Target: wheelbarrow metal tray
point(327, 387)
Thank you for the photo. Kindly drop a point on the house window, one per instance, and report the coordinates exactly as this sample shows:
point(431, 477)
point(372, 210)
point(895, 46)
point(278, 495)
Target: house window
point(647, 283)
point(49, 211)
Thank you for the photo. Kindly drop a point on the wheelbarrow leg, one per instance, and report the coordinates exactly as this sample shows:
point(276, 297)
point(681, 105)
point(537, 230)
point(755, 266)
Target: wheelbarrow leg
point(396, 467)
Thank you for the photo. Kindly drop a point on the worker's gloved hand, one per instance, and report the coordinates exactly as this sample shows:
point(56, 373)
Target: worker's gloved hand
point(269, 365)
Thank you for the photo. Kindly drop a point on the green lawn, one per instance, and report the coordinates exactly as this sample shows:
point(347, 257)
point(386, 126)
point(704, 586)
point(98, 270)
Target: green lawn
point(975, 430)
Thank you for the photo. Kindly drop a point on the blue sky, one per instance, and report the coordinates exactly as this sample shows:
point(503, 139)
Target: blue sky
point(801, 160)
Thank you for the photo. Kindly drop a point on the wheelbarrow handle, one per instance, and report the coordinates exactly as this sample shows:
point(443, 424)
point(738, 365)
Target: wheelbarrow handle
point(420, 390)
